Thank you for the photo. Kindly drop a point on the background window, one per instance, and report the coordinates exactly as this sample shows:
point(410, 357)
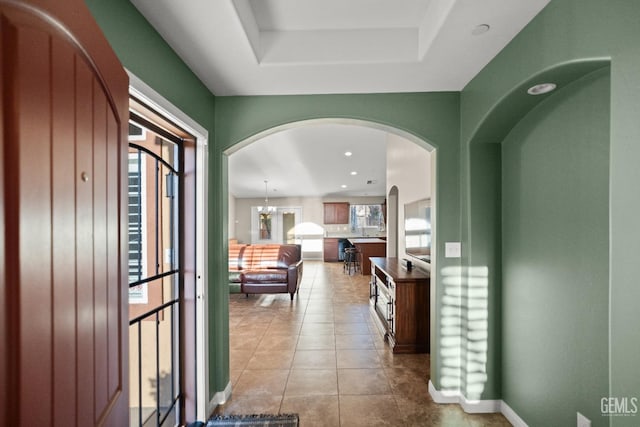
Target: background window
point(365, 218)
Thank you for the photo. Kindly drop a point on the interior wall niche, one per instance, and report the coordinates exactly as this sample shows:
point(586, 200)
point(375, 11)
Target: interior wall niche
point(555, 223)
point(392, 222)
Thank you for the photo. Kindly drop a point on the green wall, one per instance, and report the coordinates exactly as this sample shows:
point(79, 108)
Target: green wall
point(430, 117)
point(555, 194)
point(566, 41)
point(144, 53)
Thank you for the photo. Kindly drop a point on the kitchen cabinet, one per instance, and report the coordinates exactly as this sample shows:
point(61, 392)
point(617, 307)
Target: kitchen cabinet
point(331, 249)
point(336, 213)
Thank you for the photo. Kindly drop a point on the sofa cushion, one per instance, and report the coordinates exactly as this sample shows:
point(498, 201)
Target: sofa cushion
point(256, 257)
point(271, 275)
point(263, 288)
point(236, 255)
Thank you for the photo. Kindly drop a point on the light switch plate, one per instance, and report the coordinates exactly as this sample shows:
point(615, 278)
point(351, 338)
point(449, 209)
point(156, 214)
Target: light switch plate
point(452, 250)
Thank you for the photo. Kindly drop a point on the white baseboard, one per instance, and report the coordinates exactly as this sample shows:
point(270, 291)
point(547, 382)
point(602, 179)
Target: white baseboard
point(480, 406)
point(219, 398)
point(476, 406)
point(445, 396)
point(511, 415)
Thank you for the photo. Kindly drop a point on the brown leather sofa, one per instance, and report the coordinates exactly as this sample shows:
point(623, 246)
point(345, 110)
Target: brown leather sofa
point(265, 269)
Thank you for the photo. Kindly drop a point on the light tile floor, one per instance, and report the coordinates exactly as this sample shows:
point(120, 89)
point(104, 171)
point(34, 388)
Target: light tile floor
point(323, 357)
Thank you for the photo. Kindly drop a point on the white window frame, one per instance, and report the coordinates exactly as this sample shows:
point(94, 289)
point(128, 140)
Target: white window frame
point(153, 99)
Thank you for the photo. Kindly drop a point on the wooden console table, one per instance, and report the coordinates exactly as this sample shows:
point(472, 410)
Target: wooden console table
point(400, 299)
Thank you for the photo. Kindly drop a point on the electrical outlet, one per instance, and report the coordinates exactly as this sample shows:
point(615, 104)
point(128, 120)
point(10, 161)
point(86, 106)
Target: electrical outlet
point(452, 250)
point(582, 421)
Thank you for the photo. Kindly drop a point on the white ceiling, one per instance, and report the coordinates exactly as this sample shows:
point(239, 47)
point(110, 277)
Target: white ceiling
point(310, 161)
point(269, 47)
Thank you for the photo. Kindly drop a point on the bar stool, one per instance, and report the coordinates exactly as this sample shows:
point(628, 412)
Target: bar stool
point(351, 260)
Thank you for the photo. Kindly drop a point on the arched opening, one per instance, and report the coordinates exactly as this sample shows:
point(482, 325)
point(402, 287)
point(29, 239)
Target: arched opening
point(407, 182)
point(410, 164)
point(392, 222)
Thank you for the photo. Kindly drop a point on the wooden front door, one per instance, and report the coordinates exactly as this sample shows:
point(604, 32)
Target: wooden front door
point(63, 285)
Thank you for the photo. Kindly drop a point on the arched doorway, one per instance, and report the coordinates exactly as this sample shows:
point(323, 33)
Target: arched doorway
point(392, 222)
point(410, 164)
point(405, 146)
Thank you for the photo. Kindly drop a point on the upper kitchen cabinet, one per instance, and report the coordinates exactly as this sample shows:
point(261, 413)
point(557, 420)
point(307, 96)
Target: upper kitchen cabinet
point(336, 213)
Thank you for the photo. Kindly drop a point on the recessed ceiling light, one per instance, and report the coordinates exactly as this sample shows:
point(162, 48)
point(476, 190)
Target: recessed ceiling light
point(480, 29)
point(343, 186)
point(541, 88)
point(354, 173)
point(348, 153)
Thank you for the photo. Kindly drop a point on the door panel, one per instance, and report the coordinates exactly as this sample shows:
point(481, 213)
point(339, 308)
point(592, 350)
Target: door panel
point(63, 221)
point(35, 341)
point(84, 247)
point(100, 249)
point(116, 306)
point(63, 283)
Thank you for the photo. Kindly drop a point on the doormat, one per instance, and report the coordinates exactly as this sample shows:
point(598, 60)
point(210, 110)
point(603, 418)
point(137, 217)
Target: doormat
point(260, 420)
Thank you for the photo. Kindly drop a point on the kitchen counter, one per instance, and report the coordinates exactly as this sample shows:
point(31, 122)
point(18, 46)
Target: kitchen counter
point(333, 245)
point(355, 240)
point(368, 247)
point(354, 236)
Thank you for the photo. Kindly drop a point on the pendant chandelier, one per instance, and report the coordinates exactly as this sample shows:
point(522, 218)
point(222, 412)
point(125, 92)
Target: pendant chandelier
point(266, 209)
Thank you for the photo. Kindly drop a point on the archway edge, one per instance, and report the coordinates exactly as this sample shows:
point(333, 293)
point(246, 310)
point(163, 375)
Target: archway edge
point(421, 141)
point(515, 104)
point(433, 117)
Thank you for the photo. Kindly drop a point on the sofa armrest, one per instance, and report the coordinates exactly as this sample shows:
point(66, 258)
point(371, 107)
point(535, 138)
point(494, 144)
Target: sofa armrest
point(294, 276)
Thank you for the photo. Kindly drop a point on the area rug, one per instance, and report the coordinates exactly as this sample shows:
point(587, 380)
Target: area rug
point(260, 420)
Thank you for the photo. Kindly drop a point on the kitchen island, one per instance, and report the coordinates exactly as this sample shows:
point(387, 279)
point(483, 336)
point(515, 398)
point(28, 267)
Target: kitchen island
point(368, 247)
